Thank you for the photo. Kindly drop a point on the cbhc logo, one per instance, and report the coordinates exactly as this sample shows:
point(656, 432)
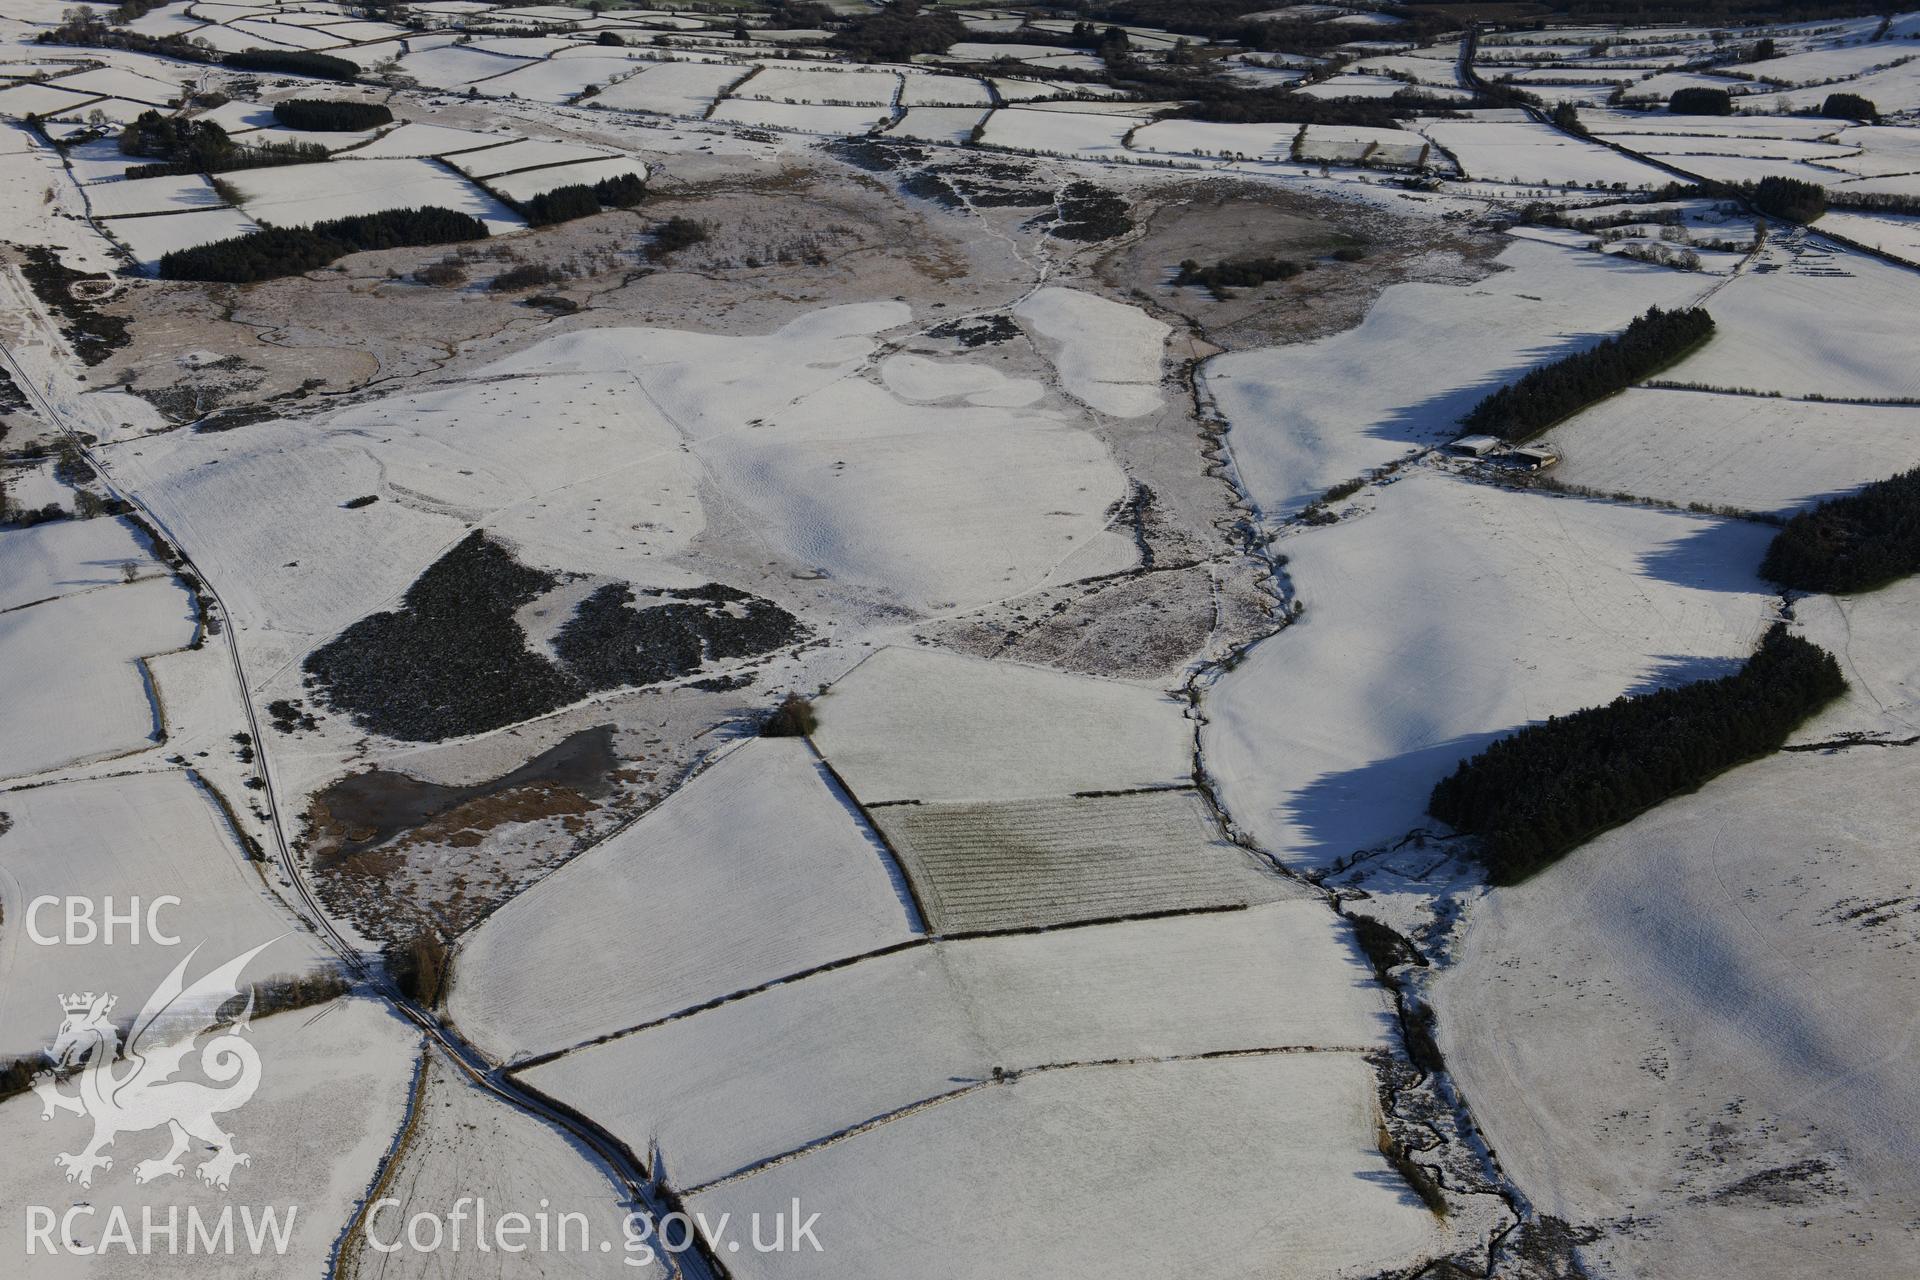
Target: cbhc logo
point(84, 925)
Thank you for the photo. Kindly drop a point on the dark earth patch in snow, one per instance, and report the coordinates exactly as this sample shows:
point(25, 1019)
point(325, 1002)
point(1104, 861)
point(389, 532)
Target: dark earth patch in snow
point(364, 810)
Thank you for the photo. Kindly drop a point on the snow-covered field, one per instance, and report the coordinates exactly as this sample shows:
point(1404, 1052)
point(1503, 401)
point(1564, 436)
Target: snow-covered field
point(1740, 451)
point(532, 182)
point(150, 239)
point(525, 154)
point(1307, 416)
point(66, 557)
point(749, 1080)
point(141, 836)
point(910, 724)
point(466, 1143)
point(944, 91)
point(826, 85)
point(1703, 1020)
point(1831, 323)
point(756, 870)
point(1063, 1168)
point(152, 195)
point(334, 1084)
point(300, 194)
point(912, 526)
point(673, 88)
point(1533, 153)
point(1108, 354)
point(1871, 636)
point(1452, 614)
point(1057, 132)
point(1035, 864)
point(75, 689)
point(938, 124)
point(802, 117)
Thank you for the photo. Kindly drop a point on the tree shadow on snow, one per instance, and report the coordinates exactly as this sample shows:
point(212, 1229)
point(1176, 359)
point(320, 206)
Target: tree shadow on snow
point(1671, 670)
point(1720, 554)
point(1341, 813)
point(1438, 417)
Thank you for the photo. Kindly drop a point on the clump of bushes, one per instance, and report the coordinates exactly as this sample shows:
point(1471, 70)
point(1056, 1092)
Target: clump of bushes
point(1236, 273)
point(1521, 410)
point(418, 966)
point(297, 62)
point(1700, 101)
point(674, 234)
point(528, 275)
point(277, 995)
point(1537, 794)
point(322, 115)
point(1857, 542)
point(286, 251)
point(793, 718)
point(448, 273)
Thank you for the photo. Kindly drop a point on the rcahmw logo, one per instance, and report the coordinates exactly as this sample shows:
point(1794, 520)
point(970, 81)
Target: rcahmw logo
point(133, 1090)
point(165, 1230)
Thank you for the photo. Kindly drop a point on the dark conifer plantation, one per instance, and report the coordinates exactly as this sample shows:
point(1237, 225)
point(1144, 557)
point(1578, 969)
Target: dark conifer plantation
point(288, 251)
point(1789, 198)
point(323, 115)
point(1538, 794)
point(1699, 101)
point(581, 200)
point(298, 62)
point(1521, 410)
point(1854, 543)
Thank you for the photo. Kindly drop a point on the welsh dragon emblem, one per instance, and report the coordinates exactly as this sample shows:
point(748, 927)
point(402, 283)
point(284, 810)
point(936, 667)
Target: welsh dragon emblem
point(132, 1091)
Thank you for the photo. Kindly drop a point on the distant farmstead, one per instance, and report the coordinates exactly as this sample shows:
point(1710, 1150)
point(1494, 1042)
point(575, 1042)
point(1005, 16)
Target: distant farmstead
point(1493, 449)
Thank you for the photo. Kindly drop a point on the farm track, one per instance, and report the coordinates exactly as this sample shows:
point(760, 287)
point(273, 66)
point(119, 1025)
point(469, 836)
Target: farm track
point(616, 1160)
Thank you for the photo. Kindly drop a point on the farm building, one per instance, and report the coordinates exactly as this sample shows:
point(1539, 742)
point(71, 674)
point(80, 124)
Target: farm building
point(1530, 457)
point(1474, 446)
